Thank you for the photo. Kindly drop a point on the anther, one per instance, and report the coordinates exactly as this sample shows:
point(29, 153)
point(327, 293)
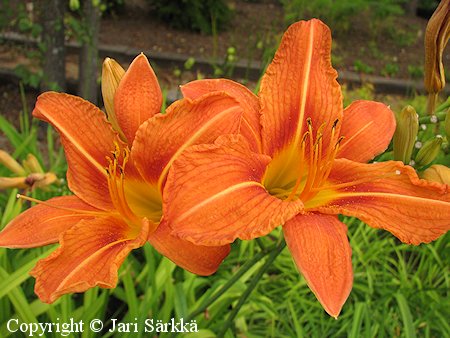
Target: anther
point(319, 137)
point(339, 141)
point(335, 123)
point(305, 136)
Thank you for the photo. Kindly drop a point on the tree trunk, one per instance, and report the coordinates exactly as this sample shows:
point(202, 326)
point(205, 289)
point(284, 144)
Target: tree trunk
point(412, 7)
point(52, 16)
point(88, 64)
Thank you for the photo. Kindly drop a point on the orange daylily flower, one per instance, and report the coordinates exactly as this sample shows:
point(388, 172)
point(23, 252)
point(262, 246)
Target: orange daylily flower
point(118, 178)
point(311, 167)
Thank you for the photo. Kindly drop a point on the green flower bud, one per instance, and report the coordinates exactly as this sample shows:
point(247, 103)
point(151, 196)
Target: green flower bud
point(429, 151)
point(405, 134)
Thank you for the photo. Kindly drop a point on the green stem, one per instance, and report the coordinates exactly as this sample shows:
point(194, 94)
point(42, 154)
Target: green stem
point(253, 282)
point(228, 284)
point(444, 105)
point(426, 119)
point(260, 244)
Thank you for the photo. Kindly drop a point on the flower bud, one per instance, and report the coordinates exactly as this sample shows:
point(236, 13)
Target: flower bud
point(112, 73)
point(11, 163)
point(405, 134)
point(436, 38)
point(12, 182)
point(31, 164)
point(39, 180)
point(437, 173)
point(429, 151)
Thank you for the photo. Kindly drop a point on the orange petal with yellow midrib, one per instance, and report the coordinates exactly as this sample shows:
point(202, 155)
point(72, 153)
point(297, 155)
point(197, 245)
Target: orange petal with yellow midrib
point(90, 254)
point(43, 224)
point(138, 97)
point(300, 83)
point(161, 139)
point(368, 128)
point(87, 138)
point(251, 127)
point(214, 195)
point(392, 198)
point(322, 253)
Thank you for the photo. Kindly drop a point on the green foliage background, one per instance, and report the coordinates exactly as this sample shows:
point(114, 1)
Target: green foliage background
point(399, 290)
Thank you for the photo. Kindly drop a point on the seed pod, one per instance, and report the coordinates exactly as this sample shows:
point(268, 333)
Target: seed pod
point(437, 173)
point(429, 151)
point(405, 134)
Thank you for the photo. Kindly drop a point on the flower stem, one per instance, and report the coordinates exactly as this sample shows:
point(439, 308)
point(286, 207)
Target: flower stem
point(426, 119)
point(253, 282)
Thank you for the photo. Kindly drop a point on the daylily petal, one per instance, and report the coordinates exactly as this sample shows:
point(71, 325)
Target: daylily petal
point(198, 259)
point(87, 138)
point(390, 196)
point(137, 98)
point(90, 254)
point(368, 128)
point(44, 223)
point(322, 253)
point(161, 139)
point(214, 195)
point(299, 83)
point(250, 128)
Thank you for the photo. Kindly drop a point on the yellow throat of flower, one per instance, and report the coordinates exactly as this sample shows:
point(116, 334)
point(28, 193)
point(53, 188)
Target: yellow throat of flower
point(301, 172)
point(133, 199)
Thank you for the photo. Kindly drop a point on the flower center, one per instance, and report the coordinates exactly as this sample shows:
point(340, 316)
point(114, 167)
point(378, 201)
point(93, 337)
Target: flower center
point(133, 199)
point(298, 173)
point(303, 172)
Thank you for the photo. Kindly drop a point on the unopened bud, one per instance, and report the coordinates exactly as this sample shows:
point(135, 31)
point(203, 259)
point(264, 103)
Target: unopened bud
point(11, 163)
point(12, 182)
point(405, 134)
point(31, 164)
point(41, 181)
point(437, 173)
point(436, 38)
point(112, 73)
point(429, 151)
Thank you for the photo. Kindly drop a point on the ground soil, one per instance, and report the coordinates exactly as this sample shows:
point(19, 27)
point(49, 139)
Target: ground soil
point(256, 28)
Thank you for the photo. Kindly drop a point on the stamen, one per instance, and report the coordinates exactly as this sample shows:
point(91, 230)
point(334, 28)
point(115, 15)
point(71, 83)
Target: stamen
point(116, 174)
point(335, 123)
point(320, 160)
